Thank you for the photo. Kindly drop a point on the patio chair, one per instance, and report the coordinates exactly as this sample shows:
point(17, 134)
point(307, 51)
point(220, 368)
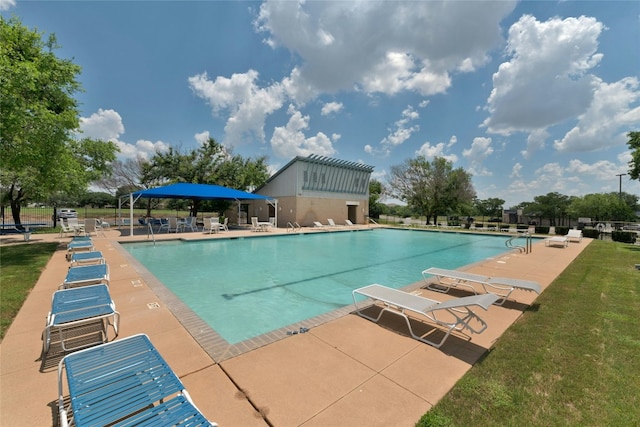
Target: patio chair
point(451, 315)
point(211, 225)
point(224, 226)
point(77, 227)
point(190, 223)
point(500, 286)
point(318, 224)
point(86, 275)
point(125, 381)
point(557, 241)
point(348, 223)
point(93, 257)
point(170, 224)
point(64, 228)
point(574, 234)
point(254, 224)
point(72, 308)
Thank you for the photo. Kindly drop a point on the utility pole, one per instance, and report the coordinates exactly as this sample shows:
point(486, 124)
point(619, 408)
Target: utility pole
point(620, 175)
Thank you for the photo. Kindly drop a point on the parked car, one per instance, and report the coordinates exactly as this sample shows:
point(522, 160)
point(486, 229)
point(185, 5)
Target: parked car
point(67, 213)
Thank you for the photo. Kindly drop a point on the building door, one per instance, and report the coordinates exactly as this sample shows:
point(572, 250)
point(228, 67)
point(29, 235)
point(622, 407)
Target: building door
point(352, 213)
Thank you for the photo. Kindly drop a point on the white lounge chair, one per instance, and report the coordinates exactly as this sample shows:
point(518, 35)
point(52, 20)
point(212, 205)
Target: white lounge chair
point(574, 234)
point(332, 223)
point(451, 315)
point(500, 286)
point(348, 223)
point(318, 224)
point(557, 241)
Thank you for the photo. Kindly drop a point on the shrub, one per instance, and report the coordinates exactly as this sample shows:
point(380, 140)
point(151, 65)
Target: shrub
point(591, 233)
point(561, 230)
point(522, 227)
point(623, 236)
point(542, 230)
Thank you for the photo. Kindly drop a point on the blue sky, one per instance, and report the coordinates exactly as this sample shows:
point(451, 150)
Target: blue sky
point(530, 97)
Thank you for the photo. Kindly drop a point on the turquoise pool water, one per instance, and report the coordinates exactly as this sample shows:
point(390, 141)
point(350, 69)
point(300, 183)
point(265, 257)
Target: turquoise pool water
point(246, 287)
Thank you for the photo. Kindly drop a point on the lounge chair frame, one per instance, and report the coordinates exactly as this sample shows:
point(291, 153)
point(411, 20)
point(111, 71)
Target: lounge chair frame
point(557, 241)
point(86, 275)
point(84, 258)
point(399, 302)
point(75, 307)
point(124, 382)
point(500, 286)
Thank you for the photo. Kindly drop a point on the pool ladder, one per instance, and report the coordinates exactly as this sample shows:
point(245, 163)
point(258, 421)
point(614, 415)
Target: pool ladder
point(150, 232)
point(523, 249)
point(293, 227)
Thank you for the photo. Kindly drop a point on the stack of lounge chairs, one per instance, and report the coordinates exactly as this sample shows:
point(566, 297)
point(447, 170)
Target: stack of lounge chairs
point(452, 315)
point(122, 382)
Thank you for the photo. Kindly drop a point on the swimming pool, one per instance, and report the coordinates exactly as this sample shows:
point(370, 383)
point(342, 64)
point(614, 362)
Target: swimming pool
point(245, 287)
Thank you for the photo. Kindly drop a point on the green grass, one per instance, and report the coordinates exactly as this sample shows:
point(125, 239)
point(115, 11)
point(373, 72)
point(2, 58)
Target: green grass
point(572, 359)
point(20, 268)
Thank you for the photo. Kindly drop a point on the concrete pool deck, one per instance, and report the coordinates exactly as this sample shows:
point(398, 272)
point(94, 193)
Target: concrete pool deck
point(346, 371)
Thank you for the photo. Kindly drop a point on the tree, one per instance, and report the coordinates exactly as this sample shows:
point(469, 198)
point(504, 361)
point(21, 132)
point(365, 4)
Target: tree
point(634, 146)
point(39, 114)
point(211, 163)
point(375, 193)
point(553, 206)
point(604, 207)
point(489, 207)
point(431, 188)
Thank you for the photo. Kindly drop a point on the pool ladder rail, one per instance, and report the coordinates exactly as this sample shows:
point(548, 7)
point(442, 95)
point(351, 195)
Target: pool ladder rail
point(522, 249)
point(293, 227)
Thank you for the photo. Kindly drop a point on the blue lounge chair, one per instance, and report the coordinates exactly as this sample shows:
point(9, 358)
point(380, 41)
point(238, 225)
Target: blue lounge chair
point(79, 244)
point(94, 257)
point(126, 381)
point(86, 275)
point(71, 308)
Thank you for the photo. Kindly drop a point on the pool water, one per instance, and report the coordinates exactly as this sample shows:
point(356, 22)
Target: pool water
point(249, 286)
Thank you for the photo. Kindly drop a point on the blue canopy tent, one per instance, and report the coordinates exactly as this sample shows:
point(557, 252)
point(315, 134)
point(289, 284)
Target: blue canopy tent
point(190, 191)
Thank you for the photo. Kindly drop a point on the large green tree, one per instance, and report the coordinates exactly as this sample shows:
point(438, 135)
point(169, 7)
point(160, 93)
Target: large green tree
point(492, 206)
point(431, 188)
point(40, 154)
point(211, 163)
point(634, 146)
point(604, 207)
point(553, 206)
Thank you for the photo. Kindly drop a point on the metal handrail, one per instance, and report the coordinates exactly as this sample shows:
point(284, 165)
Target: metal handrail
point(150, 232)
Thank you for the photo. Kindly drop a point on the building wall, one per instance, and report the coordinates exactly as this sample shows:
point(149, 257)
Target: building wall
point(315, 189)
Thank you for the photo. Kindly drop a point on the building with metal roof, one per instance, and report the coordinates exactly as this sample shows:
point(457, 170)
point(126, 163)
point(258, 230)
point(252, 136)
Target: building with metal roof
point(315, 188)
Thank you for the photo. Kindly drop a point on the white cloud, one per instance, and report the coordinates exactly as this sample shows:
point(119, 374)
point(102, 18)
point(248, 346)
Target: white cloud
point(201, 137)
point(331, 107)
point(7, 4)
point(247, 104)
point(105, 124)
point(429, 151)
point(290, 141)
point(374, 45)
point(402, 130)
point(610, 111)
point(479, 151)
point(535, 142)
point(515, 171)
point(545, 82)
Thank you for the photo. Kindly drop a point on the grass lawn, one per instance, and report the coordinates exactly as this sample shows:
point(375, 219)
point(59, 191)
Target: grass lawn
point(572, 359)
point(20, 268)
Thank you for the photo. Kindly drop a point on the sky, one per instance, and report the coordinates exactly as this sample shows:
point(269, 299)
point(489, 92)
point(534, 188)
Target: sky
point(530, 97)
